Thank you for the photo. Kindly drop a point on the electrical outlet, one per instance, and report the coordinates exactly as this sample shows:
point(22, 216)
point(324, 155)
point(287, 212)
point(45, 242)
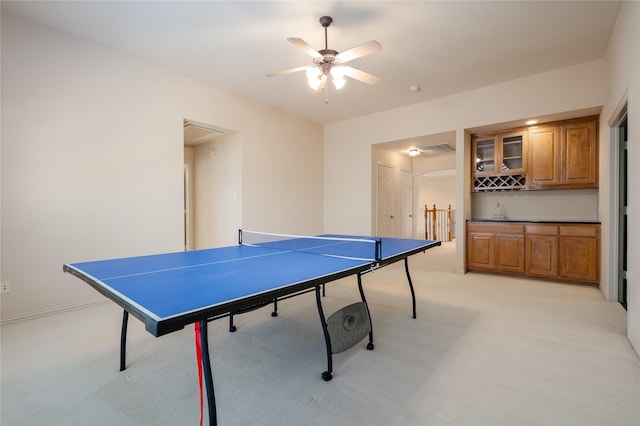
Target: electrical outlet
point(5, 287)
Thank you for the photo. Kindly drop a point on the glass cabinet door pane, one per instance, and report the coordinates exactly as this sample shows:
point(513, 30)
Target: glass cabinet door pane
point(485, 155)
point(512, 153)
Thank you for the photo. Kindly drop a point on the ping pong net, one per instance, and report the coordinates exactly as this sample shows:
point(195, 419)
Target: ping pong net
point(366, 249)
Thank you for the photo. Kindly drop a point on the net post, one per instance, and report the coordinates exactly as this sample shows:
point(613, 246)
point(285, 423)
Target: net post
point(378, 253)
point(239, 236)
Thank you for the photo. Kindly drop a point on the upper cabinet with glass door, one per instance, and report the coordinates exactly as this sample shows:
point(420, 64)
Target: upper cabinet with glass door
point(512, 147)
point(499, 153)
point(485, 154)
point(498, 160)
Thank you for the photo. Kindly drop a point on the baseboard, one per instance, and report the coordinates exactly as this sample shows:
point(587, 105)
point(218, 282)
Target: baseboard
point(52, 311)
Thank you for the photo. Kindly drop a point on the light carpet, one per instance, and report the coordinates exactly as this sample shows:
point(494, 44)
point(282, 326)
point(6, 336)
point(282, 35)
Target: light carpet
point(484, 350)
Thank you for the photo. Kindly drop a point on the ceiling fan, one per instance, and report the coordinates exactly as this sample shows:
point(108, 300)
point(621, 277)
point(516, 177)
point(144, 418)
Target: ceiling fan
point(328, 62)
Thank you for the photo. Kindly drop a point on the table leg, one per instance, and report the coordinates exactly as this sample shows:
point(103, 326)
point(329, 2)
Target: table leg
point(123, 341)
point(232, 327)
point(370, 344)
point(326, 376)
point(206, 368)
point(413, 294)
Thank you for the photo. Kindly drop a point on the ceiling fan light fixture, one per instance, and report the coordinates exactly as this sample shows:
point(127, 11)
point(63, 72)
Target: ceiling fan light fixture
point(414, 152)
point(330, 62)
point(314, 77)
point(337, 72)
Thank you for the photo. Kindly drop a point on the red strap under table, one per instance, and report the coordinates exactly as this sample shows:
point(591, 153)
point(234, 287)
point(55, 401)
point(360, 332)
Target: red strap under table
point(199, 360)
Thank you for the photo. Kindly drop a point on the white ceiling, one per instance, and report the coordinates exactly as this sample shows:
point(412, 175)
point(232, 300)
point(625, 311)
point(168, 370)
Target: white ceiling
point(444, 47)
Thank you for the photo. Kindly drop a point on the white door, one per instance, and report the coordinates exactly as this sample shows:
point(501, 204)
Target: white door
point(385, 201)
point(406, 206)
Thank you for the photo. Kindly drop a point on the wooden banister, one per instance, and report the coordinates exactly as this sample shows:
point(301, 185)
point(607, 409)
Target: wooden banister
point(438, 223)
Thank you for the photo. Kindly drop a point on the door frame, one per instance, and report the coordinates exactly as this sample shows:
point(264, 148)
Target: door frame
point(188, 205)
point(622, 206)
point(615, 230)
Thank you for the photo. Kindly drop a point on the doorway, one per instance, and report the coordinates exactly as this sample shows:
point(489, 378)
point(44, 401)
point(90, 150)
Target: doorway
point(437, 191)
point(212, 185)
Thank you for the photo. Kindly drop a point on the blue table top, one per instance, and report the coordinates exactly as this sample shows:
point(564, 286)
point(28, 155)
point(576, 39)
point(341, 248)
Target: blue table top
point(184, 287)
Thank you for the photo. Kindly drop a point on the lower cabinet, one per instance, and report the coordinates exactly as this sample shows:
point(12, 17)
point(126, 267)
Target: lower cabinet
point(510, 253)
point(481, 250)
point(542, 250)
point(495, 247)
point(579, 248)
point(554, 251)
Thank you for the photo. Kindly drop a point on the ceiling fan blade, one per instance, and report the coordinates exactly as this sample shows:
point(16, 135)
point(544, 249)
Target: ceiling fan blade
point(301, 44)
point(358, 51)
point(285, 72)
point(362, 76)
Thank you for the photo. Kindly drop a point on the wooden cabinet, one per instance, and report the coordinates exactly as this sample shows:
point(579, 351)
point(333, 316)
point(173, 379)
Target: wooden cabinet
point(544, 157)
point(499, 160)
point(580, 154)
point(499, 153)
point(495, 247)
point(512, 150)
point(558, 155)
point(558, 251)
point(579, 248)
point(481, 250)
point(510, 252)
point(484, 154)
point(563, 155)
point(541, 245)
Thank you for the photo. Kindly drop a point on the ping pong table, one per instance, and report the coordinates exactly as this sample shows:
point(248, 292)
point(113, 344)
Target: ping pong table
point(169, 291)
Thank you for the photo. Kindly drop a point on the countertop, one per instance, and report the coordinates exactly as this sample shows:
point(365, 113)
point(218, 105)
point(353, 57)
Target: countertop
point(579, 222)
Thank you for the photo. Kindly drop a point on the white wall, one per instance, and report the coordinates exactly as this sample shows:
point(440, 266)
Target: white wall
point(92, 161)
point(623, 67)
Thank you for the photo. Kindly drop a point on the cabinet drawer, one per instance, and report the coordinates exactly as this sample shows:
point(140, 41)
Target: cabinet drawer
point(579, 231)
point(496, 228)
point(541, 229)
point(479, 227)
point(510, 229)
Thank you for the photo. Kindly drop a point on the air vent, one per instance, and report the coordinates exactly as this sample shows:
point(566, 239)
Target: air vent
point(436, 148)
